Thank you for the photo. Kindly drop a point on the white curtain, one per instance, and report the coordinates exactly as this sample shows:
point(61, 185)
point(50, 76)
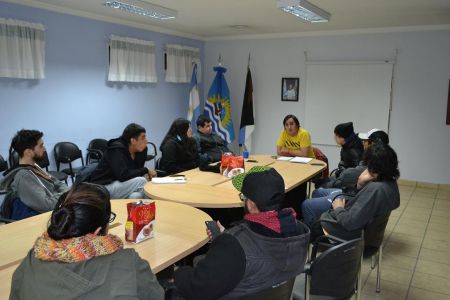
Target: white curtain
point(131, 60)
point(179, 63)
point(22, 49)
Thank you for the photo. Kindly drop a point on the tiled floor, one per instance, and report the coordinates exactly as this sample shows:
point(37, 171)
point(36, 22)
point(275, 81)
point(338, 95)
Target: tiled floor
point(416, 258)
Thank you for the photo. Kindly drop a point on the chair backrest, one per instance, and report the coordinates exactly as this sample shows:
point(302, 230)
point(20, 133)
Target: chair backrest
point(281, 291)
point(334, 272)
point(153, 151)
point(13, 158)
point(374, 231)
point(66, 152)
point(96, 149)
point(3, 164)
point(321, 156)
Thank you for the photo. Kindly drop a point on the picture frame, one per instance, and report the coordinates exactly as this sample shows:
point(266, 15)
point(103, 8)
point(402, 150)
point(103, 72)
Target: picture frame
point(289, 88)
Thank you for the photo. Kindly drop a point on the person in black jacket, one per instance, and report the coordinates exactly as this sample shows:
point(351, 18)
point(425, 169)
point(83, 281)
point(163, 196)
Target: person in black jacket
point(178, 149)
point(352, 147)
point(121, 169)
point(209, 144)
point(266, 248)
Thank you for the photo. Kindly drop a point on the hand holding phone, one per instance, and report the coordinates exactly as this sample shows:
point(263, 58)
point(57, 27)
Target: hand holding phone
point(212, 229)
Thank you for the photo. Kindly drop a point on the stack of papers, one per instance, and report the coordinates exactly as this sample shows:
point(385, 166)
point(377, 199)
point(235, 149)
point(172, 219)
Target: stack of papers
point(169, 180)
point(297, 159)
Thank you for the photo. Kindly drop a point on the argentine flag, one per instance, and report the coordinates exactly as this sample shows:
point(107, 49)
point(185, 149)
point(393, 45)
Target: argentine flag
point(194, 100)
point(217, 106)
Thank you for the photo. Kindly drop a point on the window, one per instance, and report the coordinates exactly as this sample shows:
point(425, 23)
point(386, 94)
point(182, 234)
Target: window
point(131, 60)
point(179, 61)
point(22, 49)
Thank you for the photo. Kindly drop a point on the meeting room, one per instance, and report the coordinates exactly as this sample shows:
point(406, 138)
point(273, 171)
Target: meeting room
point(276, 149)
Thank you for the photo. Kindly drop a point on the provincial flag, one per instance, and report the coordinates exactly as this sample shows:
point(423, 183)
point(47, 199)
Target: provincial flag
point(247, 117)
point(194, 100)
point(217, 106)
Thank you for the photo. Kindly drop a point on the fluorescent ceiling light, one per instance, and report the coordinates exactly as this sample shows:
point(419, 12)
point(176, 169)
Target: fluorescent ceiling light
point(143, 9)
point(304, 9)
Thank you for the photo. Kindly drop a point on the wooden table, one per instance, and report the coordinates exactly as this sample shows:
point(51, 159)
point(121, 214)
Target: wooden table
point(212, 190)
point(179, 231)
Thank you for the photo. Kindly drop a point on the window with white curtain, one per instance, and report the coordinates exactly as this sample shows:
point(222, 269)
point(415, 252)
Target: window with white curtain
point(131, 60)
point(180, 60)
point(22, 49)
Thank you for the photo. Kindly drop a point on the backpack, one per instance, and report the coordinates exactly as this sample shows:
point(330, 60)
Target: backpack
point(13, 208)
point(84, 174)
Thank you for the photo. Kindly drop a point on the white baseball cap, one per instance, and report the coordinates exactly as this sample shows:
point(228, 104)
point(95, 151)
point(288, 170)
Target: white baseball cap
point(365, 136)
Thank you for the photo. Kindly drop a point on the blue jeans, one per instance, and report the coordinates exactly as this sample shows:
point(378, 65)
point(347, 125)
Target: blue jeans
point(320, 203)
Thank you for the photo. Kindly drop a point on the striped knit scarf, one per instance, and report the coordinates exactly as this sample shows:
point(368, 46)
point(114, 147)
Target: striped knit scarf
point(75, 249)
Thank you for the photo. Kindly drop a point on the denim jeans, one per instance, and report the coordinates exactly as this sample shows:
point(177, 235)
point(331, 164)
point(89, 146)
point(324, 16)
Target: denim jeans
point(320, 203)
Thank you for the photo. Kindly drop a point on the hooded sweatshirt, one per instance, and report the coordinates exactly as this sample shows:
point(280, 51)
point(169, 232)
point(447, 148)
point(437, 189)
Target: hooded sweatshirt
point(36, 192)
point(243, 260)
point(117, 164)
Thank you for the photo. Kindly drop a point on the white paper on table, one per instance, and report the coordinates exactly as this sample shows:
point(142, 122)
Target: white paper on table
point(284, 158)
point(302, 160)
point(168, 180)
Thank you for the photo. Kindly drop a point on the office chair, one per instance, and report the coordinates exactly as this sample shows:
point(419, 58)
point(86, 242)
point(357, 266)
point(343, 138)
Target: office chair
point(67, 152)
point(281, 291)
point(45, 163)
point(95, 150)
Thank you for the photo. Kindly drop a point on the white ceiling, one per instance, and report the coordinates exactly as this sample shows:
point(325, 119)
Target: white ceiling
point(216, 18)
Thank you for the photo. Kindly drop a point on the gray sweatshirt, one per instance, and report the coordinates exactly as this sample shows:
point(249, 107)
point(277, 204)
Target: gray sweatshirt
point(33, 190)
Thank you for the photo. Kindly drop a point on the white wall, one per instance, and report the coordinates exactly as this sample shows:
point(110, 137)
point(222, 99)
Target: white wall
point(421, 81)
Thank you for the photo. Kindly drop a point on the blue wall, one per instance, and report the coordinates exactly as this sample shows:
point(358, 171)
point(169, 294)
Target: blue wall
point(75, 102)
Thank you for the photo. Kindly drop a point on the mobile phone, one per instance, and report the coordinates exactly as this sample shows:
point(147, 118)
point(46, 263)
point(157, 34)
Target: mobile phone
point(252, 160)
point(177, 175)
point(214, 228)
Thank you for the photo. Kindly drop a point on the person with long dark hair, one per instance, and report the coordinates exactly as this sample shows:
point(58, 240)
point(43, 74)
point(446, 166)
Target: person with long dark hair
point(178, 148)
point(294, 140)
point(76, 258)
point(378, 194)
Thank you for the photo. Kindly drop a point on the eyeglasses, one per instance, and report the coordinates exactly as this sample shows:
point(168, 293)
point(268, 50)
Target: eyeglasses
point(112, 217)
point(242, 197)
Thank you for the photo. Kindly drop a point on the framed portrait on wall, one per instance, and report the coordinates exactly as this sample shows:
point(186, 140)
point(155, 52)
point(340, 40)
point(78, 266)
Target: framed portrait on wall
point(290, 88)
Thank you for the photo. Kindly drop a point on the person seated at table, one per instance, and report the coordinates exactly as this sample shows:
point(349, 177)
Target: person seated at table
point(121, 169)
point(346, 182)
point(178, 149)
point(378, 195)
point(30, 190)
point(351, 146)
point(294, 140)
point(209, 143)
point(76, 258)
point(266, 248)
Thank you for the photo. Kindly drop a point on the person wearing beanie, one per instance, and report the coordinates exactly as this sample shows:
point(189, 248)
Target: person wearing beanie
point(352, 147)
point(266, 248)
point(346, 182)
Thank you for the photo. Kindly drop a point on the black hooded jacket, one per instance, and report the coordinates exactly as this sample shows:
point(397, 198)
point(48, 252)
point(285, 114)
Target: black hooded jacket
point(117, 164)
point(351, 152)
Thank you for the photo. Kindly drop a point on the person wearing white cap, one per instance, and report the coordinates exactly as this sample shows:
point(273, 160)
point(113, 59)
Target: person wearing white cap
point(346, 182)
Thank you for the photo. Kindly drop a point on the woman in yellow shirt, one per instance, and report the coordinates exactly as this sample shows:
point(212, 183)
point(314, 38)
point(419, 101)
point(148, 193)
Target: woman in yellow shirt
point(293, 140)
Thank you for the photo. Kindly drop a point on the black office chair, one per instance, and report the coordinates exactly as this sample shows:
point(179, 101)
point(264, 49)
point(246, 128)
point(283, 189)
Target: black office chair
point(153, 152)
point(281, 291)
point(335, 272)
point(3, 167)
point(45, 163)
point(373, 243)
point(95, 150)
point(67, 152)
point(13, 158)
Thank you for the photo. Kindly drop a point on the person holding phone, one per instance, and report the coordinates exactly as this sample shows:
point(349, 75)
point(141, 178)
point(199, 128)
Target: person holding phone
point(267, 247)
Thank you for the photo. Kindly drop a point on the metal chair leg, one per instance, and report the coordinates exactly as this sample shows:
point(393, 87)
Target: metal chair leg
point(380, 256)
point(359, 282)
point(372, 261)
point(307, 283)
